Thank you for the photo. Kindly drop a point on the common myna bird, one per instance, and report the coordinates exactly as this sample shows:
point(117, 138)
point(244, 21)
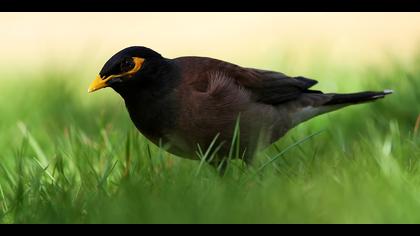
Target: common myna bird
point(188, 102)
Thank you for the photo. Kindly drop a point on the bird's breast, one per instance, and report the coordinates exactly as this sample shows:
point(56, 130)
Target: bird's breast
point(154, 117)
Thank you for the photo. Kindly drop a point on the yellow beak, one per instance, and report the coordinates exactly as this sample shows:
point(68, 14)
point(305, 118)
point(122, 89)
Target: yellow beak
point(98, 83)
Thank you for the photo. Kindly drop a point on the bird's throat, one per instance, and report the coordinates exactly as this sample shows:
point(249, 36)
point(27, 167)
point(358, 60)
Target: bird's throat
point(152, 104)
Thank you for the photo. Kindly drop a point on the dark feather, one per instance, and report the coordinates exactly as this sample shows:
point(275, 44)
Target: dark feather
point(354, 98)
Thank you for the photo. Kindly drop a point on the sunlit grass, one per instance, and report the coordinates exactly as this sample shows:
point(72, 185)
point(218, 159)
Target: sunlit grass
point(70, 157)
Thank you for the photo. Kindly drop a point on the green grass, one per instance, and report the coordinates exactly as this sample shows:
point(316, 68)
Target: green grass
point(70, 157)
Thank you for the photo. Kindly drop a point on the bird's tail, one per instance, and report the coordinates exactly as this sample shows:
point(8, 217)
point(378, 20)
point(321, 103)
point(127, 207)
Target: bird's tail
point(335, 102)
point(355, 98)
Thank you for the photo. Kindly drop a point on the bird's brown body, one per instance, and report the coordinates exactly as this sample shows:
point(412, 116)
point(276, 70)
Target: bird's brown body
point(188, 101)
point(212, 102)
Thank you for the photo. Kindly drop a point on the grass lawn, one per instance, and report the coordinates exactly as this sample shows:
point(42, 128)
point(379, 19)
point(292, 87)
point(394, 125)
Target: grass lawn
point(71, 157)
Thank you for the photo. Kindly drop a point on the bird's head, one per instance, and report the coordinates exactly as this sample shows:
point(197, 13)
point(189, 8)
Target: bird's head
point(124, 66)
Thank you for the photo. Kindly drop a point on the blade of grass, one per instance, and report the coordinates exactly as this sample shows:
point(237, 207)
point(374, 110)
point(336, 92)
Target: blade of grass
point(234, 147)
point(33, 143)
point(127, 156)
point(8, 175)
point(416, 127)
point(45, 169)
point(107, 173)
point(6, 208)
point(203, 158)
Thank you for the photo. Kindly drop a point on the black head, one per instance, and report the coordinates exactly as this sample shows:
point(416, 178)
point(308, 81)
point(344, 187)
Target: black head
point(125, 65)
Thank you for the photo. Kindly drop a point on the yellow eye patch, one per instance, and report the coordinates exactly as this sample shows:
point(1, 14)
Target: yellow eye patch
point(100, 82)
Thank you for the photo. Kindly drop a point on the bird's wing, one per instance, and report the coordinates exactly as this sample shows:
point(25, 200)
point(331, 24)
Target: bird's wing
point(269, 87)
point(263, 86)
point(272, 87)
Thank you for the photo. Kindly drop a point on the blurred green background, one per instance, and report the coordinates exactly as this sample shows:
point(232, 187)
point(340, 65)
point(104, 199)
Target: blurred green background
point(67, 156)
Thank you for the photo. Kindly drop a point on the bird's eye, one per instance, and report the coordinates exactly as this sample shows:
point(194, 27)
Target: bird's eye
point(126, 65)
